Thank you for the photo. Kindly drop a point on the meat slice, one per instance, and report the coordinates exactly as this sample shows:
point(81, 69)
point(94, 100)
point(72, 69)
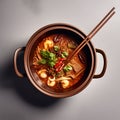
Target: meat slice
point(76, 64)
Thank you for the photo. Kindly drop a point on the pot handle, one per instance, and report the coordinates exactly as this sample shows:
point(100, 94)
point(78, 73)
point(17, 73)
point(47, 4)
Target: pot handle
point(104, 64)
point(15, 61)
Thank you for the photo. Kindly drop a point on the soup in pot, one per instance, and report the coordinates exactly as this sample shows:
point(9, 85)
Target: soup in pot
point(49, 55)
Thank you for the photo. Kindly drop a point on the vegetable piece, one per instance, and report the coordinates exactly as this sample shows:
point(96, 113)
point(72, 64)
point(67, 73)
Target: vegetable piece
point(42, 61)
point(64, 54)
point(67, 68)
point(56, 48)
point(51, 63)
point(52, 56)
point(48, 58)
point(48, 55)
point(60, 61)
point(59, 68)
point(59, 65)
point(44, 53)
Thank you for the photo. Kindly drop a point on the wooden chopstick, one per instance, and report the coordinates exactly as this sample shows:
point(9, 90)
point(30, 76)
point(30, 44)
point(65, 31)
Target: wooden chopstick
point(90, 35)
point(102, 21)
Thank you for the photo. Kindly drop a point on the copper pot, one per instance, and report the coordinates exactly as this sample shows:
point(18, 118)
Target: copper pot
point(89, 50)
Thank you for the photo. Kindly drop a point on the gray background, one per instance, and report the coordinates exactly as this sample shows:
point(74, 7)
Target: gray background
point(19, 19)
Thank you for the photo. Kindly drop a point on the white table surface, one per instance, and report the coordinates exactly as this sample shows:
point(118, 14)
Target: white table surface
point(19, 19)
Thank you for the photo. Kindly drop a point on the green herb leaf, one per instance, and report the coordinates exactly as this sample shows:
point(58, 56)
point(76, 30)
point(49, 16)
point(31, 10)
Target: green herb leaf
point(44, 54)
point(67, 68)
point(42, 61)
point(52, 56)
point(56, 48)
point(48, 58)
point(51, 63)
point(64, 54)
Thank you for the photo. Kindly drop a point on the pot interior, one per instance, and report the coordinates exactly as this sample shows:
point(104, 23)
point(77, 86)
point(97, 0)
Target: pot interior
point(86, 54)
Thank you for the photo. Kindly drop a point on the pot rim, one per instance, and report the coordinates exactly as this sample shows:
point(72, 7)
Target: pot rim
point(30, 43)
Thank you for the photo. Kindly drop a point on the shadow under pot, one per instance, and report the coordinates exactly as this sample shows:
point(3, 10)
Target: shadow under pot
point(47, 49)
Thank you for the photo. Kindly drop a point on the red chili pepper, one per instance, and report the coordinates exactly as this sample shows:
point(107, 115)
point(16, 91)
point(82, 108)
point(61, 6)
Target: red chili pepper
point(59, 65)
point(62, 59)
point(59, 68)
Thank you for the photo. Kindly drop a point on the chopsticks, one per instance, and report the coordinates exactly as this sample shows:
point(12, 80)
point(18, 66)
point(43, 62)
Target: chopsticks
point(90, 35)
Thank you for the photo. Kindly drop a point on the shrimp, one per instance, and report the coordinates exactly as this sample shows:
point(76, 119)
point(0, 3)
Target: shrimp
point(65, 83)
point(48, 44)
point(42, 73)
